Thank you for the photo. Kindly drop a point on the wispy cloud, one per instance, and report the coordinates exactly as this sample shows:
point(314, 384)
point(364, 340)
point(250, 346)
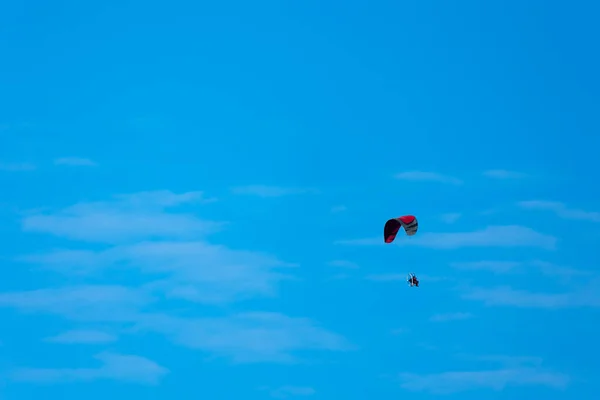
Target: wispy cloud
point(514, 267)
point(561, 210)
point(551, 269)
point(271, 191)
point(128, 368)
point(386, 277)
point(460, 381)
point(343, 264)
point(243, 338)
point(499, 267)
point(428, 177)
point(587, 296)
point(360, 242)
point(248, 337)
point(426, 346)
point(503, 174)
point(160, 199)
point(86, 303)
point(195, 271)
point(82, 337)
point(492, 236)
point(167, 267)
point(16, 126)
point(75, 162)
point(451, 218)
point(338, 277)
point(209, 273)
point(459, 316)
point(127, 217)
point(285, 392)
point(16, 167)
point(338, 209)
point(505, 360)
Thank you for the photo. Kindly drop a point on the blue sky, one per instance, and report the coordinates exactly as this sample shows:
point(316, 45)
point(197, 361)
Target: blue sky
point(194, 196)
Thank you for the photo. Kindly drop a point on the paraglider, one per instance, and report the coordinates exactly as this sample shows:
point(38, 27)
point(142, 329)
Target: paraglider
point(390, 231)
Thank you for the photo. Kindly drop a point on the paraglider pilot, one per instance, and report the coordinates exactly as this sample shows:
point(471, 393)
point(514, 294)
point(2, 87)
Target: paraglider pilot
point(412, 280)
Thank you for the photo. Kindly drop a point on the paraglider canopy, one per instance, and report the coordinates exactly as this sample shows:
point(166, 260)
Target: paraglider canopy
point(392, 226)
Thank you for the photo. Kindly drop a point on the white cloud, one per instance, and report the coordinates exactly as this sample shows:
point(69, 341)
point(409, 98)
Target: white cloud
point(450, 317)
point(386, 277)
point(492, 236)
point(451, 218)
point(490, 211)
point(360, 242)
point(248, 337)
point(16, 167)
point(505, 361)
point(209, 273)
point(75, 162)
point(195, 271)
point(88, 302)
point(338, 209)
point(127, 368)
point(16, 126)
point(587, 296)
point(271, 191)
point(426, 346)
point(75, 262)
point(243, 338)
point(513, 267)
point(292, 391)
point(338, 277)
point(160, 199)
point(503, 174)
point(551, 269)
point(187, 269)
point(561, 210)
point(127, 217)
point(459, 381)
point(343, 264)
point(82, 337)
point(428, 177)
point(499, 267)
